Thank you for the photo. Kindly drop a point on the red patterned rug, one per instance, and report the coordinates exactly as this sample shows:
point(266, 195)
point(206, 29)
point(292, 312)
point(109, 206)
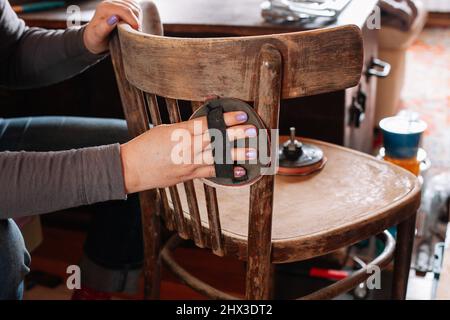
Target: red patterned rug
point(427, 91)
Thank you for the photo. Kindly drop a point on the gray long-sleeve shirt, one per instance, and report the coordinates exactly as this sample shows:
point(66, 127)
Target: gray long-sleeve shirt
point(40, 182)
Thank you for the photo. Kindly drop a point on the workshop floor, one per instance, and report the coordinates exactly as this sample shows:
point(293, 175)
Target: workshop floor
point(426, 91)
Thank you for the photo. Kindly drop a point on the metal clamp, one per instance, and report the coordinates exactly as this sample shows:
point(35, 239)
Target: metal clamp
point(379, 68)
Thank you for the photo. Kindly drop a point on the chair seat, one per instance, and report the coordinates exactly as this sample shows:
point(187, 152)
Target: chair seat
point(353, 197)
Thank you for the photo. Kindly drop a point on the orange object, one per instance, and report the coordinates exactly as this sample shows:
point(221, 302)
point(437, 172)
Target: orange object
point(411, 164)
point(329, 274)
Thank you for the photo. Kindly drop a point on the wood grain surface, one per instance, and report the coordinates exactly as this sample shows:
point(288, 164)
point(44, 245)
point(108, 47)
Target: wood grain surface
point(314, 62)
point(354, 195)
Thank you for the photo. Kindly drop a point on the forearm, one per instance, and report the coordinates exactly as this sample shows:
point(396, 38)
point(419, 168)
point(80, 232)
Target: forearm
point(42, 182)
point(31, 57)
point(44, 57)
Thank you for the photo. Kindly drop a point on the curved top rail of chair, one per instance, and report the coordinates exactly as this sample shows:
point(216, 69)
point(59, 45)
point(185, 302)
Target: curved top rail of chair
point(317, 61)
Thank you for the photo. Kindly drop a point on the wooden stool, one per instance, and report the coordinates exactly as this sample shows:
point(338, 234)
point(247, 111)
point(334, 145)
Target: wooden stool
point(278, 219)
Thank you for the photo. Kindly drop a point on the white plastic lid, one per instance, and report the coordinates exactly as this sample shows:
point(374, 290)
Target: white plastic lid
point(403, 125)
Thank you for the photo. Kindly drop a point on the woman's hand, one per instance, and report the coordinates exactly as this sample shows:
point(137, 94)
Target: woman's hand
point(107, 14)
point(148, 160)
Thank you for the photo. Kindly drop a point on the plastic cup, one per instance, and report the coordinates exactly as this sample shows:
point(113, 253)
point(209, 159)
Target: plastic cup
point(401, 136)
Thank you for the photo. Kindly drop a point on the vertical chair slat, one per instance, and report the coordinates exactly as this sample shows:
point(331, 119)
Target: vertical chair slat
point(177, 207)
point(178, 213)
point(212, 209)
point(195, 213)
point(166, 208)
point(174, 115)
point(196, 104)
point(137, 120)
point(214, 221)
point(155, 115)
point(267, 104)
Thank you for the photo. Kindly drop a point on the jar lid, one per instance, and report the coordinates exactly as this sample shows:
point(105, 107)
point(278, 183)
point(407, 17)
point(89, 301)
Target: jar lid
point(403, 125)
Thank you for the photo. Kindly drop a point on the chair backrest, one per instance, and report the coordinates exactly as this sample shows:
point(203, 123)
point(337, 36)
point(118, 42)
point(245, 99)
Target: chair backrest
point(260, 69)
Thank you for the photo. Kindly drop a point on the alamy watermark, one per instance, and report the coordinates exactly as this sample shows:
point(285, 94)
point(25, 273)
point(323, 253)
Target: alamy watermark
point(74, 17)
point(74, 279)
point(194, 147)
point(374, 20)
point(373, 282)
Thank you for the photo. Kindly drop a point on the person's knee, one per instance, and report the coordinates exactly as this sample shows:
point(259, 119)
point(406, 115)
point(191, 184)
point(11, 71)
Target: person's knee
point(14, 260)
point(98, 131)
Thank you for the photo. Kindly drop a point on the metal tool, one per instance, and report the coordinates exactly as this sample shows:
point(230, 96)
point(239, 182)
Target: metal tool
point(437, 266)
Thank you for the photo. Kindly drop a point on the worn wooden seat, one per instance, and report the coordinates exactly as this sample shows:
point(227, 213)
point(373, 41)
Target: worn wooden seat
point(278, 219)
point(317, 214)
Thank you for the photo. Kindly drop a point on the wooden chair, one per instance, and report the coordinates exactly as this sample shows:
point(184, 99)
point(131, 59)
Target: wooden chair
point(278, 219)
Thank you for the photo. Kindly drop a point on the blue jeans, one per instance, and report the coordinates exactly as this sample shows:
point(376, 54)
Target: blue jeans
point(14, 261)
point(113, 251)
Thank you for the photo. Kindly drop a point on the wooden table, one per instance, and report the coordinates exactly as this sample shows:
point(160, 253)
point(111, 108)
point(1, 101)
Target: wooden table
point(325, 117)
point(239, 17)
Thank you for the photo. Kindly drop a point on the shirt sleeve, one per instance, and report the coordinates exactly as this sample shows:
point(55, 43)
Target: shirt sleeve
point(42, 182)
point(32, 57)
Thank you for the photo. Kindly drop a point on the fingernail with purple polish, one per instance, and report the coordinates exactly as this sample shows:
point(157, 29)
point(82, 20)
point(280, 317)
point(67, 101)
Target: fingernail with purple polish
point(251, 132)
point(112, 20)
point(241, 117)
point(251, 154)
point(239, 172)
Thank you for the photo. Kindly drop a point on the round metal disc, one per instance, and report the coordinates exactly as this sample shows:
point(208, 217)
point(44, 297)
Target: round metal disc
point(311, 156)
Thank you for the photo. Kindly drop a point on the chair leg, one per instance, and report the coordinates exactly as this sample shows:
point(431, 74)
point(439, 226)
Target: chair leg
point(151, 237)
point(259, 266)
point(259, 280)
point(272, 283)
point(402, 259)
